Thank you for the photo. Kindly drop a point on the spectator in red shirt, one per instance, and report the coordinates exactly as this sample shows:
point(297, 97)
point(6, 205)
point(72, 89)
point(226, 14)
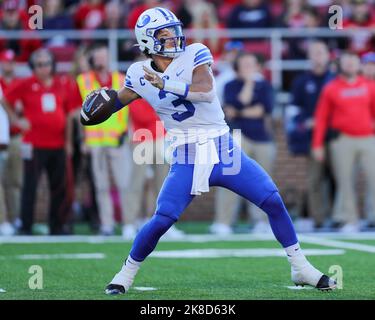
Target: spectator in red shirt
point(137, 10)
point(346, 114)
point(45, 107)
point(89, 14)
point(12, 176)
point(204, 16)
point(361, 16)
point(13, 19)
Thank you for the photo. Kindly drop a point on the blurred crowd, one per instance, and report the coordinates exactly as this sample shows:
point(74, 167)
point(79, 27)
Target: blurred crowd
point(195, 14)
point(329, 118)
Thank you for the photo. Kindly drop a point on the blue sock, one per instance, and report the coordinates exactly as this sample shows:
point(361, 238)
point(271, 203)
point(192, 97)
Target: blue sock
point(148, 237)
point(280, 221)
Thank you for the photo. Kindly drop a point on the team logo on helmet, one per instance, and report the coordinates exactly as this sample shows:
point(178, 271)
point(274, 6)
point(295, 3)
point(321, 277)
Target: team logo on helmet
point(144, 20)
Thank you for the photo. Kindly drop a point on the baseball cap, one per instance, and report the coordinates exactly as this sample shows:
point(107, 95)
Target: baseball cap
point(368, 57)
point(7, 55)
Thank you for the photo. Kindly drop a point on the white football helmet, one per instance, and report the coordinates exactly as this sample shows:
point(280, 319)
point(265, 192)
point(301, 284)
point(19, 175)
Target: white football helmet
point(147, 27)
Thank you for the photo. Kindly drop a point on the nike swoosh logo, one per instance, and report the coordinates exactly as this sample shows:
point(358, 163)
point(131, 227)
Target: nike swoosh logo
point(179, 73)
point(88, 107)
point(230, 150)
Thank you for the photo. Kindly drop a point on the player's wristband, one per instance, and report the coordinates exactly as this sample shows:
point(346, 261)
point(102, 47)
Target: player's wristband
point(176, 87)
point(118, 104)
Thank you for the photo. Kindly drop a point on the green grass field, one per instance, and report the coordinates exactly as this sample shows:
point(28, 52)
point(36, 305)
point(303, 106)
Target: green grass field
point(229, 278)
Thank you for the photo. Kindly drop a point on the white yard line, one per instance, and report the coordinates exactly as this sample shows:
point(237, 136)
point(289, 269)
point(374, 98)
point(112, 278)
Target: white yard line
point(198, 238)
point(144, 288)
point(337, 244)
point(225, 253)
point(67, 256)
point(118, 239)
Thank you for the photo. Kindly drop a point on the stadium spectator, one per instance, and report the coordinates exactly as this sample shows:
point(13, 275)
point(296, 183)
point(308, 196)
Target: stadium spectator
point(113, 19)
point(184, 14)
point(226, 71)
point(298, 47)
point(13, 19)
point(89, 14)
point(84, 205)
point(361, 16)
point(45, 104)
point(137, 10)
point(112, 16)
point(80, 61)
point(250, 14)
point(12, 177)
point(204, 17)
point(305, 92)
point(346, 112)
point(297, 15)
point(292, 17)
point(368, 65)
point(5, 227)
point(55, 17)
point(368, 71)
point(147, 133)
point(248, 103)
point(107, 143)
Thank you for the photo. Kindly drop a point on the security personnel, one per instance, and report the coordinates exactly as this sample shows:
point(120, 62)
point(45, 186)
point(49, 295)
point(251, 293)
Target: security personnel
point(306, 88)
point(106, 142)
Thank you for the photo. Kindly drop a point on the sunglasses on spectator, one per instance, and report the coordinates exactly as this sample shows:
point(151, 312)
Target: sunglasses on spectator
point(43, 64)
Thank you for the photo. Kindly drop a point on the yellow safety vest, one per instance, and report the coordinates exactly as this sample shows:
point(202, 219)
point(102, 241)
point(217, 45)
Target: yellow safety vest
point(108, 133)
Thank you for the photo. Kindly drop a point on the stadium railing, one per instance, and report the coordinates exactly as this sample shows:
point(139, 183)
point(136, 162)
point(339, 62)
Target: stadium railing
point(276, 36)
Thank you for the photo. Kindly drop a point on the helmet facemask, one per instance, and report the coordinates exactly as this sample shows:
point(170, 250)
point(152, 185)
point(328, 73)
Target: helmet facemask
point(171, 43)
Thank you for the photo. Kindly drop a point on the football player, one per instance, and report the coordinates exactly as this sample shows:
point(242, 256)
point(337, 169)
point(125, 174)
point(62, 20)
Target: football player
point(178, 83)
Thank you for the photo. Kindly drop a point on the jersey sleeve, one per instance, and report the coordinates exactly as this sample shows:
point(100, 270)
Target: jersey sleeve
point(131, 79)
point(201, 55)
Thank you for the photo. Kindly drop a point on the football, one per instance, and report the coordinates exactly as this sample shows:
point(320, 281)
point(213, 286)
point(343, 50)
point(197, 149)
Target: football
point(98, 106)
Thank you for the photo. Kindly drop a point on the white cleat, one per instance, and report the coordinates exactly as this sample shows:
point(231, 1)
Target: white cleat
point(123, 280)
point(120, 284)
point(308, 275)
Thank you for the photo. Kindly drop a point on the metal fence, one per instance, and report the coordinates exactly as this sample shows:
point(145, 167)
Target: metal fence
point(276, 36)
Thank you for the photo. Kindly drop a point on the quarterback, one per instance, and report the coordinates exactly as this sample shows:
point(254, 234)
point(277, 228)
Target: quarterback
point(178, 83)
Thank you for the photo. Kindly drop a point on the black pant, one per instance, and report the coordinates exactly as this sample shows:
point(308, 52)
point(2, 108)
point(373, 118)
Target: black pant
point(53, 160)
